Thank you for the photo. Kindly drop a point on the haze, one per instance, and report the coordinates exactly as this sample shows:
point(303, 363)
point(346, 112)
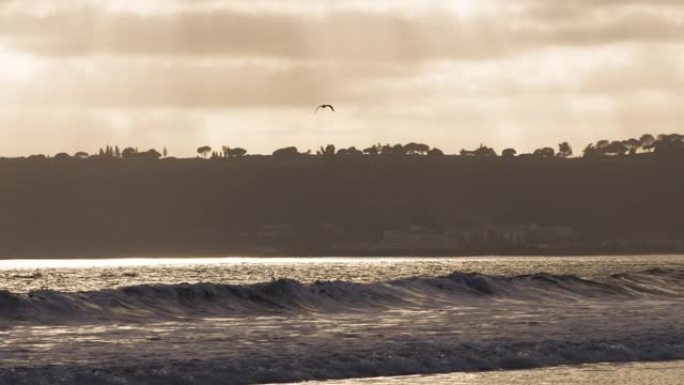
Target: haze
point(77, 75)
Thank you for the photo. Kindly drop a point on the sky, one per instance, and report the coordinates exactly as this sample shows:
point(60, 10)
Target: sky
point(76, 75)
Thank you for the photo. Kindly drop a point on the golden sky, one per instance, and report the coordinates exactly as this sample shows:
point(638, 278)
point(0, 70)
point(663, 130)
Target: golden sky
point(79, 74)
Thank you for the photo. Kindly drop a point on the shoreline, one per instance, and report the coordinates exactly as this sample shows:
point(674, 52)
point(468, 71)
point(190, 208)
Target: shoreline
point(285, 253)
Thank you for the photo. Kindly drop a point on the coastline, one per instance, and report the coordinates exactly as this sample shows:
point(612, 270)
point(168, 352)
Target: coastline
point(333, 253)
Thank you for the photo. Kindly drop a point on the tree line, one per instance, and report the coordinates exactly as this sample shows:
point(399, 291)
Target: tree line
point(663, 143)
point(647, 143)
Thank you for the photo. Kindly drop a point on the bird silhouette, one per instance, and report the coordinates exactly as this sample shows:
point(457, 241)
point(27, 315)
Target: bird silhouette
point(324, 106)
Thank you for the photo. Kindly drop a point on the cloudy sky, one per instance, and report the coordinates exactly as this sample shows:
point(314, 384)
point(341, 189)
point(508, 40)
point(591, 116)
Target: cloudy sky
point(79, 74)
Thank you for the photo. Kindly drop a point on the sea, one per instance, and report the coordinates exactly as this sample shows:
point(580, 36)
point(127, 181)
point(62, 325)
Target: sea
point(237, 320)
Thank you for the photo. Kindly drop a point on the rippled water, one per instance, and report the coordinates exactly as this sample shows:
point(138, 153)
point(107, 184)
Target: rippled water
point(134, 321)
point(78, 275)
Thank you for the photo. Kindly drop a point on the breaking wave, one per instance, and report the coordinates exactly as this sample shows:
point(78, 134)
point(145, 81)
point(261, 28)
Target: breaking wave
point(159, 302)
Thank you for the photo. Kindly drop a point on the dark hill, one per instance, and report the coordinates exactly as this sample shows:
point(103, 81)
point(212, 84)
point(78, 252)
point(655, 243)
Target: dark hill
point(357, 204)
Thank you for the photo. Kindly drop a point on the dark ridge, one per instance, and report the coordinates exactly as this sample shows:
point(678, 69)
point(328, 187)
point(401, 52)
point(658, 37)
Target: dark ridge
point(341, 205)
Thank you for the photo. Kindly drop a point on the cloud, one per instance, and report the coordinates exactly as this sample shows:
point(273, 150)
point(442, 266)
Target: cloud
point(342, 36)
point(149, 83)
point(612, 71)
point(79, 74)
point(348, 35)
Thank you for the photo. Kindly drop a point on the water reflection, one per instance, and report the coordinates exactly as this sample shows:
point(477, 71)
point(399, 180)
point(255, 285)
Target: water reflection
point(96, 274)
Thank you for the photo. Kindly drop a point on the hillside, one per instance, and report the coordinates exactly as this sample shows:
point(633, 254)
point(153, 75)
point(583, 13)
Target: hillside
point(359, 204)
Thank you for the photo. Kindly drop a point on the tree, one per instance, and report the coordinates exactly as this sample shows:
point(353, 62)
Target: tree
point(117, 153)
point(372, 150)
point(398, 149)
point(545, 152)
point(416, 148)
point(564, 150)
point(632, 145)
point(165, 153)
point(81, 155)
point(435, 152)
point(615, 147)
point(150, 154)
point(62, 156)
point(482, 151)
point(604, 147)
point(589, 151)
point(128, 153)
point(237, 152)
point(328, 150)
point(508, 153)
point(233, 152)
point(349, 151)
point(422, 148)
point(204, 151)
point(667, 144)
point(601, 146)
point(647, 142)
point(387, 149)
point(286, 152)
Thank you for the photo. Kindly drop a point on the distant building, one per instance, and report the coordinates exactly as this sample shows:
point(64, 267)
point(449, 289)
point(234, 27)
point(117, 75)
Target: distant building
point(518, 236)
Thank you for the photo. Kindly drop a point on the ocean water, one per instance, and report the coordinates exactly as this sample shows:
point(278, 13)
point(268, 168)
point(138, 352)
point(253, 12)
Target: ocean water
point(481, 320)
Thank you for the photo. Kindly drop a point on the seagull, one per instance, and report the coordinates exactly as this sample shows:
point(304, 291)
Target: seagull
point(324, 106)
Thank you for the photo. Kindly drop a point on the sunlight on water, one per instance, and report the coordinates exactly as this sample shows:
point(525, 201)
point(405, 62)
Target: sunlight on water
point(96, 274)
point(261, 320)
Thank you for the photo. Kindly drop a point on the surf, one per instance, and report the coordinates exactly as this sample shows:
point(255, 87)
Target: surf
point(145, 303)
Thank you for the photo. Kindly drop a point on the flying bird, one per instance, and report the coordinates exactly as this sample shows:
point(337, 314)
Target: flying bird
point(324, 106)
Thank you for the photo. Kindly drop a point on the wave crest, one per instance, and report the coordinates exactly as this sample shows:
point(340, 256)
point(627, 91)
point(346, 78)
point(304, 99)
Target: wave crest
point(153, 302)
